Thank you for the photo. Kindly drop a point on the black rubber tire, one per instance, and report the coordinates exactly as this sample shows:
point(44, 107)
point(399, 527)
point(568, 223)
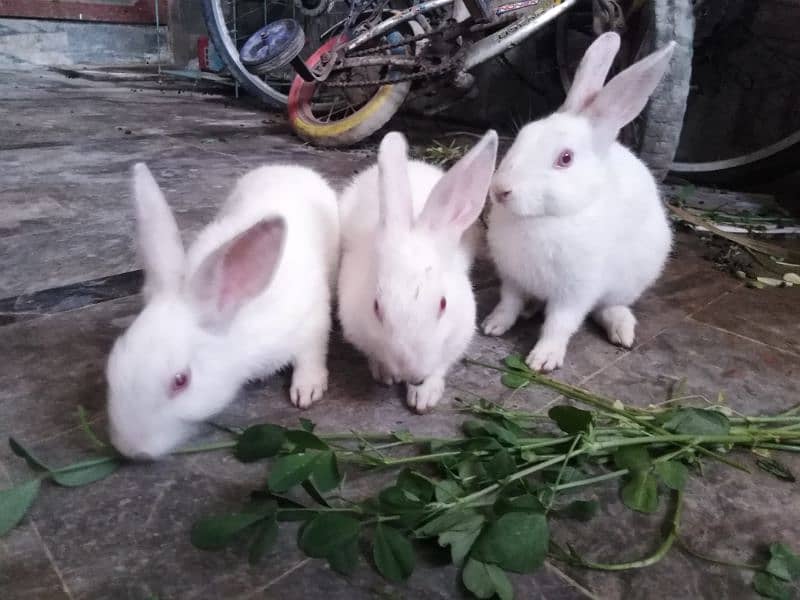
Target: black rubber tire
point(230, 56)
point(662, 118)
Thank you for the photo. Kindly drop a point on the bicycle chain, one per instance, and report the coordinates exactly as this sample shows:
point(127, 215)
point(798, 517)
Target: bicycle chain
point(429, 71)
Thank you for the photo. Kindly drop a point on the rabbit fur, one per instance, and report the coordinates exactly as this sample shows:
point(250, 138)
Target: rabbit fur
point(404, 294)
point(576, 220)
point(251, 295)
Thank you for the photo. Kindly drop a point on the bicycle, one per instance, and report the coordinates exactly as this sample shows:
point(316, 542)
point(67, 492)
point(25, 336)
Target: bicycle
point(380, 56)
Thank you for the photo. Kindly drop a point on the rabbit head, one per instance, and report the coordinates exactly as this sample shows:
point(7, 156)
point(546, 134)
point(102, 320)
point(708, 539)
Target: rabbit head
point(558, 165)
point(422, 291)
point(174, 366)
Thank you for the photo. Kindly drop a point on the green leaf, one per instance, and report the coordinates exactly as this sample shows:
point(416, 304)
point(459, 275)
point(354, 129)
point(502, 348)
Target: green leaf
point(415, 484)
point(640, 492)
point(345, 560)
point(325, 473)
point(259, 441)
point(452, 519)
point(581, 510)
point(447, 490)
point(15, 502)
point(461, 538)
point(477, 429)
point(305, 440)
point(514, 381)
point(33, 462)
point(524, 503)
point(633, 458)
point(307, 425)
point(396, 500)
point(783, 563)
point(515, 361)
point(315, 494)
point(393, 553)
point(327, 533)
point(75, 475)
point(290, 470)
point(770, 586)
point(500, 465)
point(564, 474)
point(673, 474)
point(214, 533)
point(515, 542)
point(697, 421)
point(570, 419)
point(264, 539)
point(776, 468)
point(485, 581)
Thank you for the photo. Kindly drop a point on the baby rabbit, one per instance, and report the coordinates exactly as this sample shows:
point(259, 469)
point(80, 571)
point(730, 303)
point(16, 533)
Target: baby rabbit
point(405, 298)
point(576, 220)
point(251, 295)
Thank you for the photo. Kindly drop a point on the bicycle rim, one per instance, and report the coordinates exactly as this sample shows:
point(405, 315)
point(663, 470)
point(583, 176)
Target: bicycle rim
point(225, 45)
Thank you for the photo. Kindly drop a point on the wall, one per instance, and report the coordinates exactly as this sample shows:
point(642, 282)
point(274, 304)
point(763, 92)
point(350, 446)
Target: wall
point(25, 42)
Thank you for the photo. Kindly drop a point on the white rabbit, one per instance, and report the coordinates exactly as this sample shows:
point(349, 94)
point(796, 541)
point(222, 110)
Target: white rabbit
point(251, 295)
point(576, 220)
point(405, 298)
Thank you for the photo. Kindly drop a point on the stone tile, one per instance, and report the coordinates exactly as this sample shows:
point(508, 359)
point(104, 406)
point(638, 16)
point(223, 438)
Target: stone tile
point(727, 513)
point(128, 535)
point(768, 315)
point(754, 378)
point(26, 572)
point(432, 579)
point(52, 364)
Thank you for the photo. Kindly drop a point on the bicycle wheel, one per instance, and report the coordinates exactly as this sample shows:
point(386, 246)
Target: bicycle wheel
point(341, 116)
point(655, 133)
point(231, 22)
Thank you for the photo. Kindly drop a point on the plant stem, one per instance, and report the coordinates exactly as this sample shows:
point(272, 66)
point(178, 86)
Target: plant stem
point(207, 447)
point(582, 482)
point(84, 464)
point(514, 477)
point(717, 561)
point(660, 552)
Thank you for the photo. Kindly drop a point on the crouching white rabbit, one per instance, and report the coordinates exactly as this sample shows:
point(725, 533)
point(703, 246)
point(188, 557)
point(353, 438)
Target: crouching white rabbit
point(405, 298)
point(251, 295)
point(576, 220)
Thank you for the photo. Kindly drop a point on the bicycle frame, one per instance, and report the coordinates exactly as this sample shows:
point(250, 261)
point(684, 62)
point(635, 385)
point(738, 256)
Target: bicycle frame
point(492, 45)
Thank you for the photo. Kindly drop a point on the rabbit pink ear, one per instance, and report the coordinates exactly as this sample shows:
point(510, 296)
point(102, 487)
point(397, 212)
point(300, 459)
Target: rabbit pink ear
point(159, 242)
point(237, 271)
point(592, 72)
point(458, 197)
point(624, 97)
point(393, 183)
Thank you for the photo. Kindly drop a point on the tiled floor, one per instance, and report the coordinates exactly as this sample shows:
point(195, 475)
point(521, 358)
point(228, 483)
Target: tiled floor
point(67, 276)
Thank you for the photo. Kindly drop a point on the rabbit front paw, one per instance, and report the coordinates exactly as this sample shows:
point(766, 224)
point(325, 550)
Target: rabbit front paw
point(547, 355)
point(425, 396)
point(308, 387)
point(380, 373)
point(499, 321)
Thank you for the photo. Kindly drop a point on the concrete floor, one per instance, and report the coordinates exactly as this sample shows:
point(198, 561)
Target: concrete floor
point(68, 279)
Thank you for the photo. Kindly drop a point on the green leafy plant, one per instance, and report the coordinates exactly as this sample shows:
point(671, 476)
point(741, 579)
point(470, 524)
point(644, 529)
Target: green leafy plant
point(487, 496)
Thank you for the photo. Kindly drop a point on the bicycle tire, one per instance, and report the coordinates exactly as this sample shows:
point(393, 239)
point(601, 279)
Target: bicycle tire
point(218, 33)
point(353, 129)
point(662, 118)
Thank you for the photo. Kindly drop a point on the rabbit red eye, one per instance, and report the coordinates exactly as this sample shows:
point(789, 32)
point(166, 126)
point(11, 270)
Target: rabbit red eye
point(180, 382)
point(564, 159)
point(442, 304)
point(377, 308)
